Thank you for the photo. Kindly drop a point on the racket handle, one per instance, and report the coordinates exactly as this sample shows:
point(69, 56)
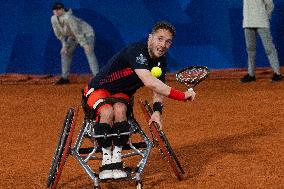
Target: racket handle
point(190, 89)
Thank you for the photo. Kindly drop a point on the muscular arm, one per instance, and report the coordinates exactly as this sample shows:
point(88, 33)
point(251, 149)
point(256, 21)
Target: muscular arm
point(157, 97)
point(161, 88)
point(156, 116)
point(153, 83)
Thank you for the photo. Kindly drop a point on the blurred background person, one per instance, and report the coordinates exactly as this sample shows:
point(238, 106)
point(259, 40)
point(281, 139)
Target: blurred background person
point(256, 20)
point(72, 31)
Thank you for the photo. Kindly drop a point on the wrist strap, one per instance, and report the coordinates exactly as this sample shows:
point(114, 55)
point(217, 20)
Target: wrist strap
point(176, 95)
point(158, 106)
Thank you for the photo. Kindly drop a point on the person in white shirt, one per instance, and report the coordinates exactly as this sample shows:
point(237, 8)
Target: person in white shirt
point(256, 20)
point(72, 31)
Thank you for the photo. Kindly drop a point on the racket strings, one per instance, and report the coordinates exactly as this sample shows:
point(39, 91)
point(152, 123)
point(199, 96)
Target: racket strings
point(192, 75)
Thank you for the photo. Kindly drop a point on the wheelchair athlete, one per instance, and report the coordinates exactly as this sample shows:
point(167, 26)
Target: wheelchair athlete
point(126, 72)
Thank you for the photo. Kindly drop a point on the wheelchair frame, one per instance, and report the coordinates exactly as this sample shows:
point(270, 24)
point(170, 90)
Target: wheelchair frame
point(85, 155)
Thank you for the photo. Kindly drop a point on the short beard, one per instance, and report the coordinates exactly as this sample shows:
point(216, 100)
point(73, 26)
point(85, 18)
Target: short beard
point(150, 51)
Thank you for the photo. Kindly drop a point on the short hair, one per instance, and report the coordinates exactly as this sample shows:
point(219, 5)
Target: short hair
point(57, 6)
point(164, 25)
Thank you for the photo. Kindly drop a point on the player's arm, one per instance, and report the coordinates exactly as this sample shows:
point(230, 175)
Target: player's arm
point(153, 83)
point(157, 108)
point(161, 88)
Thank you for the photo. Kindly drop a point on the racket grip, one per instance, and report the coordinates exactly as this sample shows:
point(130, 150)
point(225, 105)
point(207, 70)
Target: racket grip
point(190, 89)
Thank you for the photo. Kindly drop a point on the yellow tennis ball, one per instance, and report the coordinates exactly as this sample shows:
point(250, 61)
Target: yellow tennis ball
point(156, 71)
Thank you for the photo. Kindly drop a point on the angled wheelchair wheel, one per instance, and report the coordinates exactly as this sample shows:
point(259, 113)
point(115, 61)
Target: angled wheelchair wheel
point(62, 149)
point(162, 142)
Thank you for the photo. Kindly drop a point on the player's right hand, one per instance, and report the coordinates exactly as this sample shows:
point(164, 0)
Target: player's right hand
point(156, 117)
point(190, 94)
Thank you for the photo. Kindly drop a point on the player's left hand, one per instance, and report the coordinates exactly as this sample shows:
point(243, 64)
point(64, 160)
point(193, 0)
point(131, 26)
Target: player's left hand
point(156, 117)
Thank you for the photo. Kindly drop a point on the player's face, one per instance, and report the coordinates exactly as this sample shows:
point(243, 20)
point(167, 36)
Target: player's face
point(159, 42)
point(58, 12)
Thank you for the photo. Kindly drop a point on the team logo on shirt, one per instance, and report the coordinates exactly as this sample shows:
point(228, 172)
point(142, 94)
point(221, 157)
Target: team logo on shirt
point(141, 59)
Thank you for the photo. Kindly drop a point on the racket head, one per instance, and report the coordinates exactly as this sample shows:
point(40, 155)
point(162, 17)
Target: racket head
point(193, 75)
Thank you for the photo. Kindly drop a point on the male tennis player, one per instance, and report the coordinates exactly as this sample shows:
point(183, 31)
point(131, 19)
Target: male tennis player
point(126, 72)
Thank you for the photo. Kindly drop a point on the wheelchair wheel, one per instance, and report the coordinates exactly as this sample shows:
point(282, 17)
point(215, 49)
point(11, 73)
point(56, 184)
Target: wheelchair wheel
point(62, 149)
point(163, 143)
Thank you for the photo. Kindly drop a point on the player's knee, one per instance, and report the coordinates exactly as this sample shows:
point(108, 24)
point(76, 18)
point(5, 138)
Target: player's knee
point(120, 127)
point(103, 129)
point(106, 114)
point(120, 107)
point(120, 110)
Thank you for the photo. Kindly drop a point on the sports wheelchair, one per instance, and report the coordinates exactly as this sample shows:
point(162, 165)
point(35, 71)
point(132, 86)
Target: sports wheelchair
point(84, 155)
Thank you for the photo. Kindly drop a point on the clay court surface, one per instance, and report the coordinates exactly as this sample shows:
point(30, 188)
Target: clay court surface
point(231, 136)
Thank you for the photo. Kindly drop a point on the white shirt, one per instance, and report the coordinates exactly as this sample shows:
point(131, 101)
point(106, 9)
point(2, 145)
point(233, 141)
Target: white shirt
point(256, 13)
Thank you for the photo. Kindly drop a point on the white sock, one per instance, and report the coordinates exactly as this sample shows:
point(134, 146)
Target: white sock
point(106, 156)
point(116, 154)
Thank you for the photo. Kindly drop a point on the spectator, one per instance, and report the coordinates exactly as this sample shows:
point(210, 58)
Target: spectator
point(72, 31)
point(256, 19)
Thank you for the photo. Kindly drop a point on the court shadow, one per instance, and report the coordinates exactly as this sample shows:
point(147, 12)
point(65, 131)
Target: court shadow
point(72, 183)
point(195, 158)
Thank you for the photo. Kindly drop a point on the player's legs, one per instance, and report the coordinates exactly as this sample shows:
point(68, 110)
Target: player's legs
point(92, 59)
point(120, 125)
point(103, 127)
point(115, 116)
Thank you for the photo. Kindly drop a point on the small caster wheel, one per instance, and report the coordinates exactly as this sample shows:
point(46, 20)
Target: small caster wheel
point(139, 185)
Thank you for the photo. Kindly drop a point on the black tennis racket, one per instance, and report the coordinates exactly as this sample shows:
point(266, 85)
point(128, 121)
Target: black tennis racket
point(160, 139)
point(193, 75)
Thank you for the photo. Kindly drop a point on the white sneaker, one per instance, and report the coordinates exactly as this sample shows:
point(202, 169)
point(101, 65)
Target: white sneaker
point(105, 174)
point(116, 158)
point(117, 174)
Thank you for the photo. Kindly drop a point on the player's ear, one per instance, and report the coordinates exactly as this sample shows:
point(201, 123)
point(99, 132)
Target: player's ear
point(150, 37)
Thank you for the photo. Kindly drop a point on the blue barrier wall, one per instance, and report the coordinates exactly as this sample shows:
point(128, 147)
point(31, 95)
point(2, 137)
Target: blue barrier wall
point(208, 32)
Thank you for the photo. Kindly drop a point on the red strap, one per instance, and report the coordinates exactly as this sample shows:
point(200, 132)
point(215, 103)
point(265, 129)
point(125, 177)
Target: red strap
point(176, 95)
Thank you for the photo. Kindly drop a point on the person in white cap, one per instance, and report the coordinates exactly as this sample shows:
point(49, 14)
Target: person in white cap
point(72, 31)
